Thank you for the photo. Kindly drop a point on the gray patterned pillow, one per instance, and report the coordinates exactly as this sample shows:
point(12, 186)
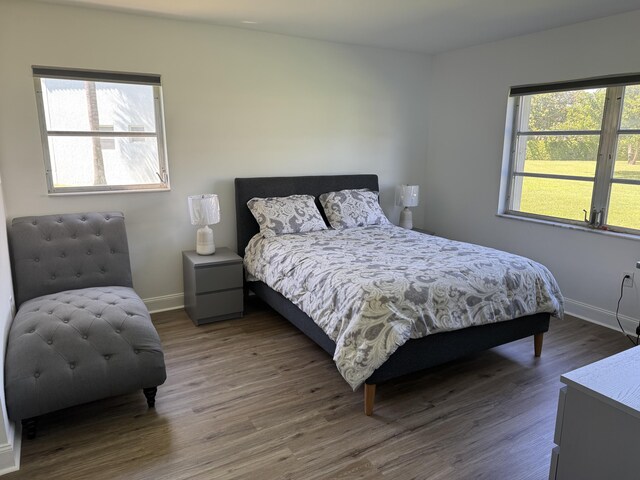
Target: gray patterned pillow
point(292, 214)
point(352, 208)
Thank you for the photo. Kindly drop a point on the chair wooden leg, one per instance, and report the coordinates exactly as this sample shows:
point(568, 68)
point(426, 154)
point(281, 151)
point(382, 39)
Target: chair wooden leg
point(537, 344)
point(29, 426)
point(369, 396)
point(150, 394)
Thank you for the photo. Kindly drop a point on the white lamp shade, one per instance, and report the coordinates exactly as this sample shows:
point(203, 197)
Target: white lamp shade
point(204, 209)
point(407, 195)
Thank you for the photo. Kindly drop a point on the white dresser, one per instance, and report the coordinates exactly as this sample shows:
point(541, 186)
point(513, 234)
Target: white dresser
point(598, 423)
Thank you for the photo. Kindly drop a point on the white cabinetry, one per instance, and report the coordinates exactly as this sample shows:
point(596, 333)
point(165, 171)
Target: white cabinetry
point(598, 422)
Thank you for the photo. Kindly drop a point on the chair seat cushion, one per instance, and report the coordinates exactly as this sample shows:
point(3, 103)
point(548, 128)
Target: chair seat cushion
point(77, 346)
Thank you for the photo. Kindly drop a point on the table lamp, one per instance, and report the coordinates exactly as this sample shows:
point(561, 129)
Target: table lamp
point(205, 211)
point(407, 196)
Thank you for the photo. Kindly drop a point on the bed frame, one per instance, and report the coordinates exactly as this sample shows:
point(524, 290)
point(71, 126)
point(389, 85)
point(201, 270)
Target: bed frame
point(415, 354)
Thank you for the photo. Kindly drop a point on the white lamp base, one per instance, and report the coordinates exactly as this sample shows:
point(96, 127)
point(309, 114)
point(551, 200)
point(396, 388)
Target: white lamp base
point(406, 218)
point(204, 241)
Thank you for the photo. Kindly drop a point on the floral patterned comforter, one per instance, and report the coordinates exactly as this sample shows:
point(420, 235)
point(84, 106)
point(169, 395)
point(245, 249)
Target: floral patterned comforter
point(372, 288)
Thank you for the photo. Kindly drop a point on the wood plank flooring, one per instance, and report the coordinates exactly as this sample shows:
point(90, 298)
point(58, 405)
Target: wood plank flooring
point(253, 398)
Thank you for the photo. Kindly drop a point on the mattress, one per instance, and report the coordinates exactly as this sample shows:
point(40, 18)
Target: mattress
point(373, 288)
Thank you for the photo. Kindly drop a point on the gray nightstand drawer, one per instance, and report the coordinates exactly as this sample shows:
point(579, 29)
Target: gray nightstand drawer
point(213, 288)
point(219, 304)
point(219, 277)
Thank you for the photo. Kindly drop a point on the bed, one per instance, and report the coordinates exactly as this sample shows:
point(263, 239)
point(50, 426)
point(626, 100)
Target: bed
point(412, 355)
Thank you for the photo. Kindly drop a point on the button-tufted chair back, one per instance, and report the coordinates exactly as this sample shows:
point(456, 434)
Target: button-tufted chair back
point(53, 253)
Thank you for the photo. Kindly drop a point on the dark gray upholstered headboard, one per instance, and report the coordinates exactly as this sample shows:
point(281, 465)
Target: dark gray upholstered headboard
point(53, 253)
point(247, 188)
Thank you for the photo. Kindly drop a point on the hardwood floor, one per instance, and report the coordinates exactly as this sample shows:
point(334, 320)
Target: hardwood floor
point(253, 398)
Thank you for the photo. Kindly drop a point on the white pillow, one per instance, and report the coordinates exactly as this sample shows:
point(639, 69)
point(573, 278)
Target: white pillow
point(353, 208)
point(281, 215)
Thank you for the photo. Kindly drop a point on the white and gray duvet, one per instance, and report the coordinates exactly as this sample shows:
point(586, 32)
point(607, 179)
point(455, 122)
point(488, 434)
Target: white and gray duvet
point(373, 288)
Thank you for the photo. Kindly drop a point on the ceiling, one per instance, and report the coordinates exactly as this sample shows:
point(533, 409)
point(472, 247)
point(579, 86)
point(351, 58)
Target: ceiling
point(426, 26)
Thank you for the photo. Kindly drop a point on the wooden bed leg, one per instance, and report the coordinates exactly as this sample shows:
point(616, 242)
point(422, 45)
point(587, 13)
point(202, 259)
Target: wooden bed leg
point(369, 396)
point(537, 344)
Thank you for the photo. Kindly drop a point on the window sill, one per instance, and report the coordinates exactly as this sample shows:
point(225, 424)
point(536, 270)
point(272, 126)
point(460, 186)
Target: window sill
point(609, 233)
point(108, 192)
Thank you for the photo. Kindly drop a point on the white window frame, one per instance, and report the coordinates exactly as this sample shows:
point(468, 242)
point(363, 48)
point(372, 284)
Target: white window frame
point(40, 72)
point(596, 217)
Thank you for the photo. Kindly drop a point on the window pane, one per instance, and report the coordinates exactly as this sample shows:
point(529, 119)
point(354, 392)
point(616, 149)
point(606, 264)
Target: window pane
point(631, 108)
point(573, 110)
point(107, 143)
point(75, 163)
point(627, 163)
point(560, 154)
point(554, 198)
point(624, 206)
point(76, 105)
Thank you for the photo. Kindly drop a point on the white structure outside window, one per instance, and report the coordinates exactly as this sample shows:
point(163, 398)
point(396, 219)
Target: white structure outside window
point(574, 153)
point(101, 131)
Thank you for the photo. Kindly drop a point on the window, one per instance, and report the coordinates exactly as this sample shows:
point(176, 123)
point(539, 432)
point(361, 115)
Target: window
point(107, 143)
point(101, 131)
point(575, 153)
point(136, 128)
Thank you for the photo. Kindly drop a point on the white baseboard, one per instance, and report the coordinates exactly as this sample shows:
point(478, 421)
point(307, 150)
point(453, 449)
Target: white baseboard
point(600, 316)
point(164, 302)
point(10, 453)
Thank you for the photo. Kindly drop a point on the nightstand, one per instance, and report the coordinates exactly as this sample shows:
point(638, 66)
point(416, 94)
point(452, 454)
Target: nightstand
point(213, 288)
point(422, 230)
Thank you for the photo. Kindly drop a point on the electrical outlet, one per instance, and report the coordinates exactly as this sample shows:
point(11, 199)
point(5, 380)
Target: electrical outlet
point(628, 281)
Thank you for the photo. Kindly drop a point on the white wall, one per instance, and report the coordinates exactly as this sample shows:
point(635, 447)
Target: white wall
point(237, 103)
point(467, 105)
point(9, 441)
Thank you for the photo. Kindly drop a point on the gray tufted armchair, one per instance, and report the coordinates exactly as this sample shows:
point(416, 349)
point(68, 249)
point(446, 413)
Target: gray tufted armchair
point(81, 332)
